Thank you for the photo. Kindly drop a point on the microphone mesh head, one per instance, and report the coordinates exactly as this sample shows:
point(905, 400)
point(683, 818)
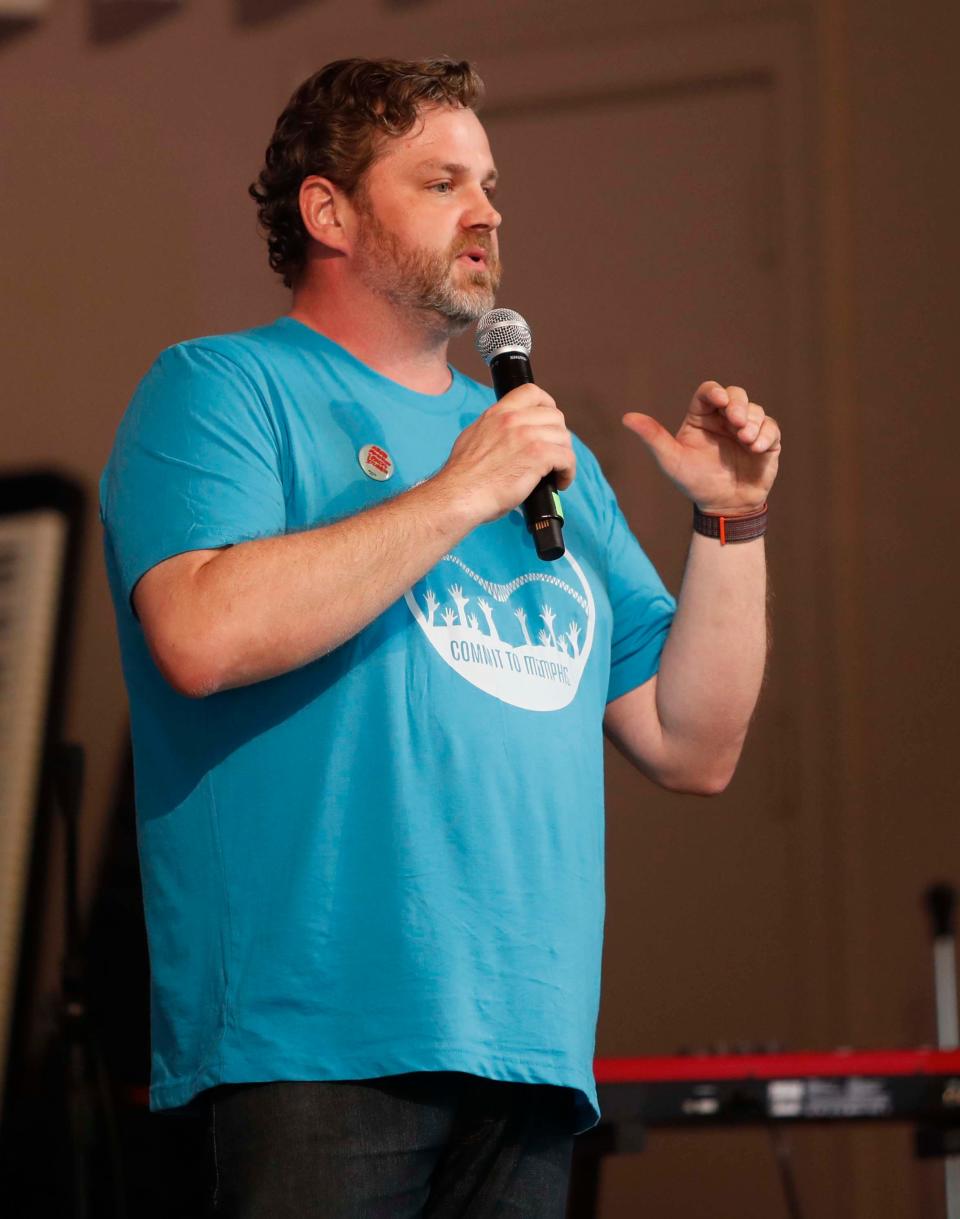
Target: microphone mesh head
point(502, 330)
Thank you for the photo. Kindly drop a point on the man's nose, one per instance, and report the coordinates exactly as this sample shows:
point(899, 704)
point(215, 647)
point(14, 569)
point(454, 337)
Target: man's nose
point(482, 214)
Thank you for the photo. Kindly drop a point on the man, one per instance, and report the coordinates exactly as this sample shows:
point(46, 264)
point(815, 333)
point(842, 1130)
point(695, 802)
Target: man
point(367, 718)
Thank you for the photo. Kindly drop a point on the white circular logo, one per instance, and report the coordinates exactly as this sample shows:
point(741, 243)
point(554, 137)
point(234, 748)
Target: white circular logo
point(525, 641)
point(375, 462)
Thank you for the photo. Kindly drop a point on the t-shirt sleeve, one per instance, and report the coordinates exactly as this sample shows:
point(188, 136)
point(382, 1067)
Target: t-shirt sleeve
point(642, 611)
point(642, 607)
point(196, 464)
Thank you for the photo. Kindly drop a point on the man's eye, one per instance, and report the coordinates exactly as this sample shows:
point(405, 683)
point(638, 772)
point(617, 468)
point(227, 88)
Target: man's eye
point(443, 188)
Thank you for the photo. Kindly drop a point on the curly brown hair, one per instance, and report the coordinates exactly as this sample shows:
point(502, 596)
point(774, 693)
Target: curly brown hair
point(334, 126)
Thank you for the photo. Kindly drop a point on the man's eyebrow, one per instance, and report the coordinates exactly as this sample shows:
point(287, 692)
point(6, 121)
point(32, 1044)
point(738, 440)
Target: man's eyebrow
point(452, 167)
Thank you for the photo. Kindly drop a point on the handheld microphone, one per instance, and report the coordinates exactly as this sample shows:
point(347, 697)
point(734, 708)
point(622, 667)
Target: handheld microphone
point(504, 341)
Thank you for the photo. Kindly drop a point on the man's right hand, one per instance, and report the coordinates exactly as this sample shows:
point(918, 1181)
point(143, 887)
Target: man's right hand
point(216, 619)
point(498, 460)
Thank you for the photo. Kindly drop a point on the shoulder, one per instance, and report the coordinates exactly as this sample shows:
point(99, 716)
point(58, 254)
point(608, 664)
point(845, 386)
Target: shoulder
point(211, 382)
point(242, 354)
point(235, 367)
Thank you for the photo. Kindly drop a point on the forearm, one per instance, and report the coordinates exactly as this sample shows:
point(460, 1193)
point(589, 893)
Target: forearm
point(262, 608)
point(686, 726)
point(215, 619)
point(713, 661)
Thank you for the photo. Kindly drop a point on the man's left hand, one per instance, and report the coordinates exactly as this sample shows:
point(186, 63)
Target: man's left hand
point(726, 453)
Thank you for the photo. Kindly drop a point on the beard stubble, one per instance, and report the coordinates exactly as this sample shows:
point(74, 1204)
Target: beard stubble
point(422, 280)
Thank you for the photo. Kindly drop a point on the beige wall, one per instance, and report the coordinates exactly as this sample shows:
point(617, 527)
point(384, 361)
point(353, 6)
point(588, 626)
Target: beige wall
point(789, 907)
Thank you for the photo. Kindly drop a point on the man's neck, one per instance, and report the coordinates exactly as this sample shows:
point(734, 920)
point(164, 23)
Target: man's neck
point(408, 348)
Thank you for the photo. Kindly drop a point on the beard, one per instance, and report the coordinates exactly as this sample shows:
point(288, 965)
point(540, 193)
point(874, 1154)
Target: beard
point(416, 278)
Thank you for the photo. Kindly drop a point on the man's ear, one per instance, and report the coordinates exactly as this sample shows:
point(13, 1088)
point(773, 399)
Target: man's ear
point(324, 210)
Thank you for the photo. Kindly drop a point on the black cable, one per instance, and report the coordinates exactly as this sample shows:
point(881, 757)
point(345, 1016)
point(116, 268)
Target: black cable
point(784, 1157)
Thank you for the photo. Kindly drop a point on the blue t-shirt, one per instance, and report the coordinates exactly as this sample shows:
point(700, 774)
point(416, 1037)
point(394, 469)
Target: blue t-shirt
point(391, 858)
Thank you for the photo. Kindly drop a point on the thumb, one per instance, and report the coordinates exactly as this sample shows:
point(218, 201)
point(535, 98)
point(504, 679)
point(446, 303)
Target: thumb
point(655, 436)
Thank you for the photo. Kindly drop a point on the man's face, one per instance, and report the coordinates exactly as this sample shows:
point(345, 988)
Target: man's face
point(428, 229)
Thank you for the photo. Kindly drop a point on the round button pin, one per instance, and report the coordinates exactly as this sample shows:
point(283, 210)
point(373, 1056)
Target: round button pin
point(375, 462)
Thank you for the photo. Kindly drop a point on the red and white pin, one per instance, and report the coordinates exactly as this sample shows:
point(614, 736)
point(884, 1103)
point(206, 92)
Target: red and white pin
point(375, 462)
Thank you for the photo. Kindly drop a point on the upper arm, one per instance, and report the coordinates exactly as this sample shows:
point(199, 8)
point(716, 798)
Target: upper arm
point(632, 724)
point(196, 466)
point(641, 607)
point(642, 612)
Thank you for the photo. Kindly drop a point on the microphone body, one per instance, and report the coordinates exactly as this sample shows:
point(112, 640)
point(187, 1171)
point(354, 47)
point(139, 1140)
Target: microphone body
point(509, 368)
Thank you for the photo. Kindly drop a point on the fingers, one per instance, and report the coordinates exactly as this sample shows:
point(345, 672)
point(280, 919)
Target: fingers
point(523, 398)
point(563, 464)
point(768, 437)
point(533, 418)
point(656, 437)
point(709, 398)
point(503, 454)
point(748, 421)
point(730, 403)
point(742, 417)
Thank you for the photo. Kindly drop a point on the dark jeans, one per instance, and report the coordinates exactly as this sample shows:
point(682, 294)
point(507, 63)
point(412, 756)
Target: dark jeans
point(431, 1144)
